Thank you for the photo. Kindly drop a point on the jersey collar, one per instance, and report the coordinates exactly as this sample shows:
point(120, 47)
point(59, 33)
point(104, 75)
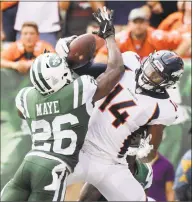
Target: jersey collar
point(163, 95)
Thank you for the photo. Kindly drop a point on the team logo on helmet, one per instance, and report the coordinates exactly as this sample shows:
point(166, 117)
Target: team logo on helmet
point(55, 61)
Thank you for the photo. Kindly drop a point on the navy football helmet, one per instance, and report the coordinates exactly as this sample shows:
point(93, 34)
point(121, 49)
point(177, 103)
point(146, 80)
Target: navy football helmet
point(159, 71)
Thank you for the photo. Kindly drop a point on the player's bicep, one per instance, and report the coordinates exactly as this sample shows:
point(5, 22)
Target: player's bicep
point(156, 132)
point(106, 82)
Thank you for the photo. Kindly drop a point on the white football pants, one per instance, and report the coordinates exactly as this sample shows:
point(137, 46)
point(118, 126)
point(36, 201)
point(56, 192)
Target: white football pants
point(114, 181)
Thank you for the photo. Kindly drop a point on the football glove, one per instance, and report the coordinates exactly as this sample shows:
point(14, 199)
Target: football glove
point(62, 46)
point(144, 147)
point(105, 21)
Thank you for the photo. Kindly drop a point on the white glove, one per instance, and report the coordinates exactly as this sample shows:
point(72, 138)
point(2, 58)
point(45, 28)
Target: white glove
point(62, 45)
point(144, 147)
point(132, 151)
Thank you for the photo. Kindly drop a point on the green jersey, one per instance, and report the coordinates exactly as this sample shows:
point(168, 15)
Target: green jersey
point(59, 121)
point(144, 174)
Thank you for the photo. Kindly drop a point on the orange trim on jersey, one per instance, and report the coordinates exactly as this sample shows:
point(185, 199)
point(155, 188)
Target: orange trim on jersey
point(154, 112)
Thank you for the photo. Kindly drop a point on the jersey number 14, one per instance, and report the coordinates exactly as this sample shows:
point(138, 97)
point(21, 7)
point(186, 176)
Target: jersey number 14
point(120, 118)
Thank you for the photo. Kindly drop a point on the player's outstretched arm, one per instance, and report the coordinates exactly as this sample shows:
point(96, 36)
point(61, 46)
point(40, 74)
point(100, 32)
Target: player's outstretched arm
point(115, 67)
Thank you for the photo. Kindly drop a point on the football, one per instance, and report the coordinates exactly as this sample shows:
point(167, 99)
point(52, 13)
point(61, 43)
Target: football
point(81, 50)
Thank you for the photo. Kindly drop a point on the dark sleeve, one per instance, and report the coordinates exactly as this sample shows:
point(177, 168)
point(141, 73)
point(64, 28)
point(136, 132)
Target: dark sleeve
point(94, 69)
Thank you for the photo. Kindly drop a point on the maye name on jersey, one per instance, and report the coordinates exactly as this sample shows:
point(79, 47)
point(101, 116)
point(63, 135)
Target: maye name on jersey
point(47, 108)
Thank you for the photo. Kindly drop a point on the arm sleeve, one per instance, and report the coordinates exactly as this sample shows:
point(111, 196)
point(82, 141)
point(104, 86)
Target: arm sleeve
point(89, 88)
point(19, 102)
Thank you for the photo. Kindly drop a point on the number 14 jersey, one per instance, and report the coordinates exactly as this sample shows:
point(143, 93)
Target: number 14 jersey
point(123, 111)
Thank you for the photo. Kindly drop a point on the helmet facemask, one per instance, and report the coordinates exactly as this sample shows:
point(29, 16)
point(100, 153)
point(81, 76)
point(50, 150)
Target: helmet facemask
point(150, 76)
point(161, 70)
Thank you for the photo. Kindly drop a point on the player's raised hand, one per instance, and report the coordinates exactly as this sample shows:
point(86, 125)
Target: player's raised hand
point(62, 46)
point(105, 21)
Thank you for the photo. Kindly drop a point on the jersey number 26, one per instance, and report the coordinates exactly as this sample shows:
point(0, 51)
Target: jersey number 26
point(42, 131)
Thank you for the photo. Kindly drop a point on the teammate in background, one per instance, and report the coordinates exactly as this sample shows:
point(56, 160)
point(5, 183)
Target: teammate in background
point(140, 99)
point(57, 110)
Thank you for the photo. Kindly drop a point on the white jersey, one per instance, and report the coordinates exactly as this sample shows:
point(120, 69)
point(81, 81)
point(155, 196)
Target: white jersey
point(123, 111)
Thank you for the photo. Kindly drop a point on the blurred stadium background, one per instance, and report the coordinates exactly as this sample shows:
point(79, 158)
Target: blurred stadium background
point(29, 27)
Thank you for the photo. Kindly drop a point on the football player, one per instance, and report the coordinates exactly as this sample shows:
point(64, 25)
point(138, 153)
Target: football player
point(139, 99)
point(142, 172)
point(57, 109)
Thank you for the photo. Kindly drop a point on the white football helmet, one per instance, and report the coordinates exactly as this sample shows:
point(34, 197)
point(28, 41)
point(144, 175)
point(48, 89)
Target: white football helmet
point(49, 73)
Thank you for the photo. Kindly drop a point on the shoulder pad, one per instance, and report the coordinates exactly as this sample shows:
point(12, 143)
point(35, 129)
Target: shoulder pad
point(131, 60)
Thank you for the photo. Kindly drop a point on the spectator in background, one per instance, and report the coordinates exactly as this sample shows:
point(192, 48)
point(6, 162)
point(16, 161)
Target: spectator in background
point(78, 16)
point(181, 21)
point(121, 10)
point(183, 178)
point(160, 10)
point(9, 10)
point(20, 54)
point(163, 177)
point(141, 38)
point(44, 14)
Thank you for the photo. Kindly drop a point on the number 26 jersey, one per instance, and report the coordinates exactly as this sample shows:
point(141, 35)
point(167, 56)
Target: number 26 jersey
point(59, 121)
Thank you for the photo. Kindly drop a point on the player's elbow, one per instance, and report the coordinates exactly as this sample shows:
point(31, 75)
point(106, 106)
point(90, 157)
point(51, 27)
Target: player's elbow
point(122, 70)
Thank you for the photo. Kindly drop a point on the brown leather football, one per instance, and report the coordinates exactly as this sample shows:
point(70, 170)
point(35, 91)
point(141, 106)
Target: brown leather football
point(81, 50)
